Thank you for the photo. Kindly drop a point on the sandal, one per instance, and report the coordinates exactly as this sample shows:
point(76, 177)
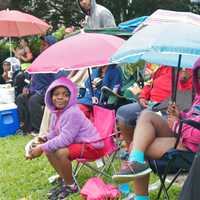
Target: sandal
point(55, 191)
point(66, 191)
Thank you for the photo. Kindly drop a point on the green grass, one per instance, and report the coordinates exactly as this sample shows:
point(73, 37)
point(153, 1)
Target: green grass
point(21, 178)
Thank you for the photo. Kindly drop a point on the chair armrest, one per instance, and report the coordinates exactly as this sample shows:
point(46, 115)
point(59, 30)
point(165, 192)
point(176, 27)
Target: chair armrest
point(104, 138)
point(191, 123)
point(108, 92)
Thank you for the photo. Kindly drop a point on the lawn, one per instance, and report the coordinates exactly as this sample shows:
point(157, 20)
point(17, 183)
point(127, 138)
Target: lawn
point(28, 180)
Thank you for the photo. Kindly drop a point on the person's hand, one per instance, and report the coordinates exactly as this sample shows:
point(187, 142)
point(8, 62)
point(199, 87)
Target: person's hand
point(35, 152)
point(171, 119)
point(5, 75)
point(95, 100)
point(94, 85)
point(135, 89)
point(173, 110)
point(25, 91)
point(143, 102)
point(42, 139)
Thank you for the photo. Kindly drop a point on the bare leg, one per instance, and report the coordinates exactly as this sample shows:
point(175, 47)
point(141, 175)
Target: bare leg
point(155, 151)
point(149, 127)
point(127, 133)
point(157, 139)
point(140, 185)
point(61, 163)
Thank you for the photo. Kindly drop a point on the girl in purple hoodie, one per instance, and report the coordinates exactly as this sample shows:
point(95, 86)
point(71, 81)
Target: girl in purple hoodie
point(154, 136)
point(70, 134)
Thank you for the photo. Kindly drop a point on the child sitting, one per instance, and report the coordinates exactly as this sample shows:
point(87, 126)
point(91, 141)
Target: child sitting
point(70, 134)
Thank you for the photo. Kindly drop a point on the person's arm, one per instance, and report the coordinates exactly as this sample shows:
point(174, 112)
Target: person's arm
point(145, 96)
point(145, 93)
point(70, 129)
point(72, 73)
point(107, 19)
point(27, 58)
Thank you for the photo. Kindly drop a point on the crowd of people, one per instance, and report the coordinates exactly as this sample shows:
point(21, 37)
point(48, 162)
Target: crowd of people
point(69, 131)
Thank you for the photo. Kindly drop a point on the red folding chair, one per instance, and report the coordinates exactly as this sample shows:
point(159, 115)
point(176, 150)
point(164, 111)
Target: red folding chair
point(104, 121)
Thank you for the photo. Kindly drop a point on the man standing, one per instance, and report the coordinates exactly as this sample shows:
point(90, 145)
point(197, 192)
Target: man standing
point(97, 16)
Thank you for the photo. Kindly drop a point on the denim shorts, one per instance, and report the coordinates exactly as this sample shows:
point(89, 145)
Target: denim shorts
point(129, 114)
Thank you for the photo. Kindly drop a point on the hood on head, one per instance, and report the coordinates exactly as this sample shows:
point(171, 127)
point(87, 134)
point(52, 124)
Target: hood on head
point(63, 81)
point(93, 5)
point(196, 81)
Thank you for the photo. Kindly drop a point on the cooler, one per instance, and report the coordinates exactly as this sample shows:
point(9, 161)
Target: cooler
point(9, 119)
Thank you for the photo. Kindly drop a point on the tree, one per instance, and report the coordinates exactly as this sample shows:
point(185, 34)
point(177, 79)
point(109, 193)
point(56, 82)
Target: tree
point(66, 12)
point(4, 4)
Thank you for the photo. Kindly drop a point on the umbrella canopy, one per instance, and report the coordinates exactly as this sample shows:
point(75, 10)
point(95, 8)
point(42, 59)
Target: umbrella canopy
point(162, 44)
point(77, 52)
point(14, 23)
point(169, 16)
point(132, 24)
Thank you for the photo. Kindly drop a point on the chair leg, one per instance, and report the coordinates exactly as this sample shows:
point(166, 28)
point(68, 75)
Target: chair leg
point(175, 177)
point(76, 182)
point(162, 180)
point(77, 168)
point(96, 170)
point(162, 188)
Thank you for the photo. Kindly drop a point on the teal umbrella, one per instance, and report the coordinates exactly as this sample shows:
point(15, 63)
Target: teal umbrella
point(162, 44)
point(173, 44)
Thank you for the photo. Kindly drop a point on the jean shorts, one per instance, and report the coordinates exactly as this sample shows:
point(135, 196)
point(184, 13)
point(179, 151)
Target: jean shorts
point(129, 113)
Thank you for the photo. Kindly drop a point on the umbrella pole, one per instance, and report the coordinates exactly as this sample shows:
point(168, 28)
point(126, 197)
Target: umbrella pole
point(176, 79)
point(10, 49)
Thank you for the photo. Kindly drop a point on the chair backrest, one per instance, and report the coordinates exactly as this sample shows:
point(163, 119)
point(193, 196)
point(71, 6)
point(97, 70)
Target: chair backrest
point(104, 121)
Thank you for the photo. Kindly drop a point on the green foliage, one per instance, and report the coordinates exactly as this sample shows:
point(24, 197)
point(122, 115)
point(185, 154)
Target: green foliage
point(21, 178)
point(60, 33)
point(34, 44)
point(4, 50)
point(65, 12)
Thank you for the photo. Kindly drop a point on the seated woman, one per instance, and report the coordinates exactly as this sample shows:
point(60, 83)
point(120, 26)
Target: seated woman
point(156, 91)
point(109, 76)
point(23, 53)
point(154, 136)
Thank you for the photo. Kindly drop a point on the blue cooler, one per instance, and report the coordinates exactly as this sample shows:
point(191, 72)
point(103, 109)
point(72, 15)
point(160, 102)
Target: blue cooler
point(9, 119)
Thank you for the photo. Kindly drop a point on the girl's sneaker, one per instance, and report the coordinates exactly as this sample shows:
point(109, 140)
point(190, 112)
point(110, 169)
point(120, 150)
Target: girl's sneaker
point(131, 170)
point(67, 190)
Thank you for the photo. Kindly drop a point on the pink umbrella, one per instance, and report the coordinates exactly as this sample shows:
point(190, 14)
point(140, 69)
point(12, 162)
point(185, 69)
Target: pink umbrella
point(77, 52)
point(14, 23)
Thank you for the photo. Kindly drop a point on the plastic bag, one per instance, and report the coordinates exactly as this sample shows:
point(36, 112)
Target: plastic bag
point(96, 189)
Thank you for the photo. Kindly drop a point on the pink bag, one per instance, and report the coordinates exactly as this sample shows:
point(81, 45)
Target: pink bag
point(96, 189)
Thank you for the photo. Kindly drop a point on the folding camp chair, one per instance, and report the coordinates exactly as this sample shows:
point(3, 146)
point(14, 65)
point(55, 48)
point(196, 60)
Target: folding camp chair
point(174, 162)
point(104, 121)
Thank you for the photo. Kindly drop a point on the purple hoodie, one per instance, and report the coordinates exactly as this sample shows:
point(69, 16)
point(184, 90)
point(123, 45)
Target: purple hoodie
point(69, 126)
point(190, 136)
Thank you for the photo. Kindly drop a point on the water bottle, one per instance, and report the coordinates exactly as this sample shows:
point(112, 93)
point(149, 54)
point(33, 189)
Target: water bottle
point(124, 189)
